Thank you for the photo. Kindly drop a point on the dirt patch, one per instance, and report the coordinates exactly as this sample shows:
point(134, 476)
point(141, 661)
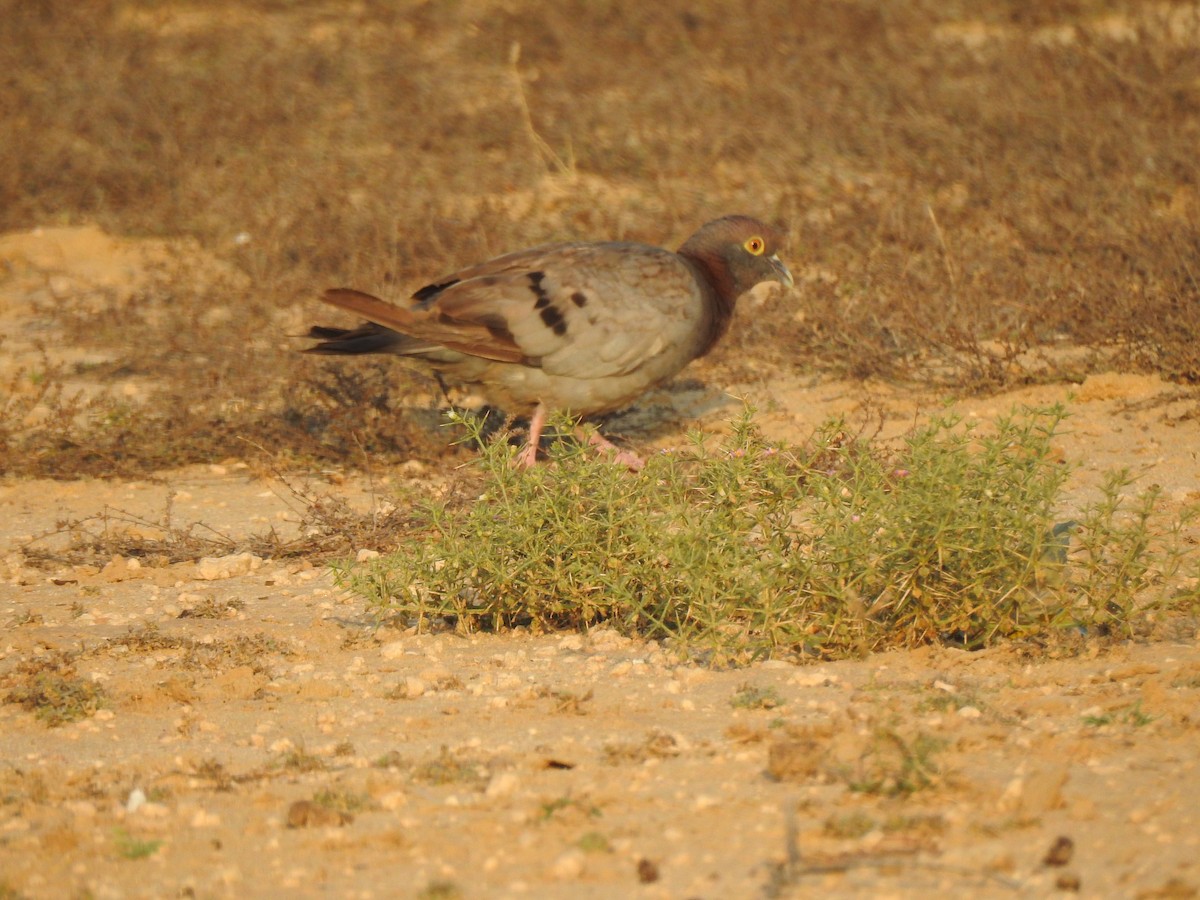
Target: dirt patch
point(162, 711)
point(983, 211)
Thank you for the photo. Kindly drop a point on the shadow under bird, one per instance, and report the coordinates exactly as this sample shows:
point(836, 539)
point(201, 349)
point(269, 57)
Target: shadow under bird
point(585, 328)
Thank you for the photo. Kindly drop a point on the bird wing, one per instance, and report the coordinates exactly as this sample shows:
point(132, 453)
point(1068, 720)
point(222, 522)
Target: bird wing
point(576, 310)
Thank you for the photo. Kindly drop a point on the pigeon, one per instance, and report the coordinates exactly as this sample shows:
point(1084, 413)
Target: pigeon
point(584, 328)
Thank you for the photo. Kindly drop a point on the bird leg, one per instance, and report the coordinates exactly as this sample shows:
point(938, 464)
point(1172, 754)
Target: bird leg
point(604, 445)
point(527, 458)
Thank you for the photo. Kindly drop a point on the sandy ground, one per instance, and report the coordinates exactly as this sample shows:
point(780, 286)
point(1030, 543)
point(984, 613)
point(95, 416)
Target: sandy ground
point(261, 738)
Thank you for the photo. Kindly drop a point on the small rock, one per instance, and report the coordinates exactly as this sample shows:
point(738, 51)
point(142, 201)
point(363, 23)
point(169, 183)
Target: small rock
point(647, 871)
point(569, 865)
point(393, 650)
point(137, 799)
point(1068, 881)
point(213, 568)
point(1060, 852)
point(502, 784)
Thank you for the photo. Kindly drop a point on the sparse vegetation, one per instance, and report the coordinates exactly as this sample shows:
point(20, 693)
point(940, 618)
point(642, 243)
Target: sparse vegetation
point(51, 689)
point(130, 847)
point(752, 549)
point(300, 760)
point(749, 697)
point(896, 764)
point(343, 801)
point(593, 842)
point(450, 768)
point(440, 890)
point(556, 808)
point(1132, 716)
point(327, 523)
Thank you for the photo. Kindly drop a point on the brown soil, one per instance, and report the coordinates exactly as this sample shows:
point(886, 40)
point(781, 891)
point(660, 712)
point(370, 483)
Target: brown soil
point(257, 736)
point(988, 204)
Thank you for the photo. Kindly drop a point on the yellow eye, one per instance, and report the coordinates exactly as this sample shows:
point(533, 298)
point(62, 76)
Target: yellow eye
point(755, 246)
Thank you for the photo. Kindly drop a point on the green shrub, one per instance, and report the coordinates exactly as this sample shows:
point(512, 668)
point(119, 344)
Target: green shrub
point(754, 549)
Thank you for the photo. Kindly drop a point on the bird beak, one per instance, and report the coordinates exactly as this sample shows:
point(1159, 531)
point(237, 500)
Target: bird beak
point(785, 277)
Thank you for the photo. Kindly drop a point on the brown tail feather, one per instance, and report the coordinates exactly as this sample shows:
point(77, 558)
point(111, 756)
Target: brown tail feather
point(474, 338)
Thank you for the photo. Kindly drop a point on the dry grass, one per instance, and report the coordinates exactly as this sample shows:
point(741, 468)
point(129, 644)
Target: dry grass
point(962, 184)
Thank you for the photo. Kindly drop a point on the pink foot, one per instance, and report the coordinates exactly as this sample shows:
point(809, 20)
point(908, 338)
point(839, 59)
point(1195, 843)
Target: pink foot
point(527, 458)
point(630, 460)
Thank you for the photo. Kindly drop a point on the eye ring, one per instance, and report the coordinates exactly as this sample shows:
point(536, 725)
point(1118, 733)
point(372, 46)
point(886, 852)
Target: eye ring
point(755, 246)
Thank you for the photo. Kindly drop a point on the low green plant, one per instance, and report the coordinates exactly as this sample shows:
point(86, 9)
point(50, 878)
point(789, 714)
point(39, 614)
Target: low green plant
point(1133, 716)
point(753, 549)
point(440, 890)
point(342, 800)
point(299, 760)
point(750, 697)
point(131, 847)
point(594, 842)
point(57, 697)
point(447, 768)
point(550, 808)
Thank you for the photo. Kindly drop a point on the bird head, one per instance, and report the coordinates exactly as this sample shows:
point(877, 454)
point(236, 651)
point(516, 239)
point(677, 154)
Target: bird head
point(738, 252)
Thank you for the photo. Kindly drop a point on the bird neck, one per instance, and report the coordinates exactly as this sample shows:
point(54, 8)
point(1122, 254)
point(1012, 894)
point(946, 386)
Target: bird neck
point(717, 282)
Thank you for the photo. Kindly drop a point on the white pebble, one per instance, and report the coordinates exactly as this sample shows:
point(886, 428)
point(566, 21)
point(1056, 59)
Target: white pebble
point(137, 799)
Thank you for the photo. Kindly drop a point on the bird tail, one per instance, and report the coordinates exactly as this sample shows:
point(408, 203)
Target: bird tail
point(369, 337)
point(366, 338)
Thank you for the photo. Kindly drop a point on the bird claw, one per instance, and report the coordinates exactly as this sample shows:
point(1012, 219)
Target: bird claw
point(526, 459)
point(624, 457)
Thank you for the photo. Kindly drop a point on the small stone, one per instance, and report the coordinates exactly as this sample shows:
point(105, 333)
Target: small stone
point(647, 871)
point(136, 800)
point(212, 568)
point(569, 865)
point(393, 650)
point(1060, 852)
point(502, 784)
point(1068, 881)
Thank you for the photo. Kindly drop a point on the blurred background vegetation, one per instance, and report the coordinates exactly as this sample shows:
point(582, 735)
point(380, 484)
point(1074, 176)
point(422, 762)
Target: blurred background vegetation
point(968, 189)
